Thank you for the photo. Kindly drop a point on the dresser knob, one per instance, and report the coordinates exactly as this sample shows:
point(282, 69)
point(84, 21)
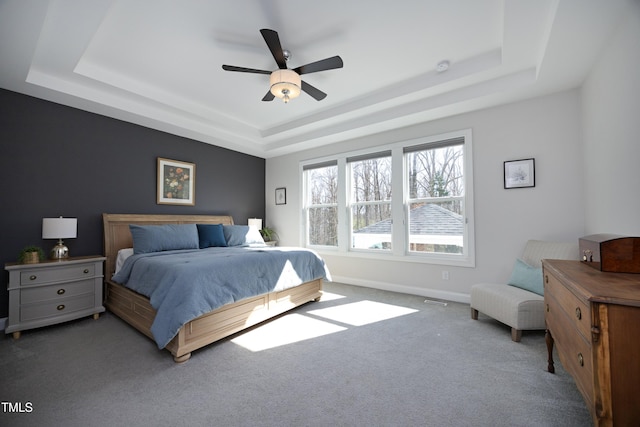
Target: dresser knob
point(580, 359)
point(86, 271)
point(61, 291)
point(33, 277)
point(60, 307)
point(578, 313)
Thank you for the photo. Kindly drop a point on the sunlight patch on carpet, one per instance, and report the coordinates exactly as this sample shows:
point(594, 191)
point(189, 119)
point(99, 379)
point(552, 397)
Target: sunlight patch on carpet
point(328, 296)
point(285, 330)
point(362, 312)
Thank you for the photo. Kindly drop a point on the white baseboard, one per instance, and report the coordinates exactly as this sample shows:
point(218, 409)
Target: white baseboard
point(3, 323)
point(412, 290)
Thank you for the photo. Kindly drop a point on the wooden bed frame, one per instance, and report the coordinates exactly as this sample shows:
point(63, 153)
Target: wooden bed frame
point(136, 310)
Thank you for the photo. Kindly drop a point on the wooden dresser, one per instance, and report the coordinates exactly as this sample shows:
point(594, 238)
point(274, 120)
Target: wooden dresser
point(594, 320)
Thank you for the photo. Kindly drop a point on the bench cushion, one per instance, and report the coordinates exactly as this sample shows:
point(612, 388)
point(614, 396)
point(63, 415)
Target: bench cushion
point(512, 306)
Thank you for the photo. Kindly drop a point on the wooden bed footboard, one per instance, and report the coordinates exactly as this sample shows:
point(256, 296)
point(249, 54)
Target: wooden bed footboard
point(136, 309)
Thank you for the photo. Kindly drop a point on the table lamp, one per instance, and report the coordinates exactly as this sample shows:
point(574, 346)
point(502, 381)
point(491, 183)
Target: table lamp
point(59, 228)
point(255, 222)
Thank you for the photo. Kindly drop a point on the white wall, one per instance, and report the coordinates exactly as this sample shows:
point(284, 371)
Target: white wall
point(611, 117)
point(546, 128)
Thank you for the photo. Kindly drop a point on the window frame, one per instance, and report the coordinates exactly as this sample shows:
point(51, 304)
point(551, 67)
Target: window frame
point(350, 160)
point(305, 210)
point(399, 204)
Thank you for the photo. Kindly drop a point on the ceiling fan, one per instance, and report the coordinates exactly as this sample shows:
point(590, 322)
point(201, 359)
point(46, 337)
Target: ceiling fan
point(285, 83)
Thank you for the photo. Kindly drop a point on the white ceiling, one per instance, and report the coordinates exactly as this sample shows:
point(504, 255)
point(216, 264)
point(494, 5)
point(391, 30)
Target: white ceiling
point(158, 63)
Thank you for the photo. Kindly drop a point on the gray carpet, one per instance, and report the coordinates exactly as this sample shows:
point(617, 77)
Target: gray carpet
point(378, 358)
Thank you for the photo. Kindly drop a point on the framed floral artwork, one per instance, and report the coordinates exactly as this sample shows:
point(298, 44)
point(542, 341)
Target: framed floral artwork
point(519, 173)
point(176, 182)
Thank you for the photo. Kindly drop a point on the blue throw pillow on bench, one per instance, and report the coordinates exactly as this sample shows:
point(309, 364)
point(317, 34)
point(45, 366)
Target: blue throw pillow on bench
point(527, 277)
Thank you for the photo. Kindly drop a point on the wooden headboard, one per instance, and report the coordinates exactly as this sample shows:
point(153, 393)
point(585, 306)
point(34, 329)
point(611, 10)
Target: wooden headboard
point(117, 235)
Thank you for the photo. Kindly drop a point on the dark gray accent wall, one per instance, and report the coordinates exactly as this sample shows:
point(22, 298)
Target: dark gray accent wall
point(56, 160)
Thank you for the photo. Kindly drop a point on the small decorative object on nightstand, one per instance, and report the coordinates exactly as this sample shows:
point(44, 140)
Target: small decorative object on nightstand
point(52, 292)
point(31, 255)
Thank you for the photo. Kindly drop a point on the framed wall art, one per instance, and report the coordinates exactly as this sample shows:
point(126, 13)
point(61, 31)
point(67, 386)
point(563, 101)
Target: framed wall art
point(176, 182)
point(281, 196)
point(519, 173)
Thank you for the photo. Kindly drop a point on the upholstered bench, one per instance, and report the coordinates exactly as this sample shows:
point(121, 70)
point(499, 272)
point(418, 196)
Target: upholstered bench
point(520, 303)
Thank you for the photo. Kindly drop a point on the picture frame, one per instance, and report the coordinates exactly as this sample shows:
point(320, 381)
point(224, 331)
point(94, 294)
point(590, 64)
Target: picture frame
point(519, 173)
point(176, 184)
point(281, 196)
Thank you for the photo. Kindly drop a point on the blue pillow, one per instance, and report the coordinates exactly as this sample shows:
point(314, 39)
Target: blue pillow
point(211, 235)
point(156, 238)
point(242, 235)
point(527, 277)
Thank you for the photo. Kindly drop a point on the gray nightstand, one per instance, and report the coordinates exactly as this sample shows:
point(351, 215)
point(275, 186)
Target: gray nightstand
point(53, 292)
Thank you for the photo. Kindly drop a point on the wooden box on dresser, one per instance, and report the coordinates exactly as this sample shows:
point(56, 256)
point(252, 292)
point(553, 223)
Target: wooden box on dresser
point(51, 292)
point(593, 318)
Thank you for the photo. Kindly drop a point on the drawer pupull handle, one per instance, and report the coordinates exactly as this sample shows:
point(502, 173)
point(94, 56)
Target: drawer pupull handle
point(578, 313)
point(546, 279)
point(33, 277)
point(580, 359)
point(60, 307)
point(61, 291)
point(86, 271)
point(547, 308)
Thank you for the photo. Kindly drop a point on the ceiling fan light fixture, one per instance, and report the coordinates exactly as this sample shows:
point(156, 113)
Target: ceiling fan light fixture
point(285, 84)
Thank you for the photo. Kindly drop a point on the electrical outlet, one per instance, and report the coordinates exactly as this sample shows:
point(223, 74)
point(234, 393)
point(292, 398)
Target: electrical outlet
point(445, 275)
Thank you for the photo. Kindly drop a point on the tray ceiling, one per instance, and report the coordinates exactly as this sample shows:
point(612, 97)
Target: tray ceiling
point(159, 63)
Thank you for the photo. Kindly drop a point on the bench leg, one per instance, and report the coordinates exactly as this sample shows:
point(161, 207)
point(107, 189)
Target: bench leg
point(516, 334)
point(474, 314)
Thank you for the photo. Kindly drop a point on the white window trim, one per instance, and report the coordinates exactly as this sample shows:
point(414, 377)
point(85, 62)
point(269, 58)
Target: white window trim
point(399, 251)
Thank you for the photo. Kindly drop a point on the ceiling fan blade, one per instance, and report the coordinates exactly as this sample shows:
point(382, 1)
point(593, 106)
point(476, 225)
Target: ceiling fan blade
point(273, 42)
point(315, 93)
point(244, 70)
point(268, 96)
point(324, 64)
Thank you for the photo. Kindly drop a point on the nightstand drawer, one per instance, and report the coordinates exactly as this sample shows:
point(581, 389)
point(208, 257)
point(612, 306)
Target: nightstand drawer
point(66, 273)
point(56, 292)
point(56, 308)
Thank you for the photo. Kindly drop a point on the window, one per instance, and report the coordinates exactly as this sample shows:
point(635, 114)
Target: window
point(435, 183)
point(407, 201)
point(370, 201)
point(321, 207)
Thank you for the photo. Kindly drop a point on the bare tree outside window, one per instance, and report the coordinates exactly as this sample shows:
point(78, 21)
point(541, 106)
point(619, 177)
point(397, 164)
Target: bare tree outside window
point(436, 194)
point(357, 189)
point(322, 210)
point(371, 203)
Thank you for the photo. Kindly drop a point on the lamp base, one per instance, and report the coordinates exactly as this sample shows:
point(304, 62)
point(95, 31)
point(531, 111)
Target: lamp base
point(59, 251)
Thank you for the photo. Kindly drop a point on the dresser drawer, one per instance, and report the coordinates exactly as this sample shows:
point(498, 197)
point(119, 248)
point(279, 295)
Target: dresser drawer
point(577, 310)
point(56, 308)
point(58, 274)
point(56, 292)
point(574, 350)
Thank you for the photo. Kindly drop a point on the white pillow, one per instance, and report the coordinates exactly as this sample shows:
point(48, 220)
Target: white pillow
point(123, 254)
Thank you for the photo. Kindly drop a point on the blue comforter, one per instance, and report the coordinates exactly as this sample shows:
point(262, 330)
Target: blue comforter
point(185, 284)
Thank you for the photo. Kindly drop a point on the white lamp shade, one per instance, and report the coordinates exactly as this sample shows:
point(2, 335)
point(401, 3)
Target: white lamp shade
point(285, 83)
point(255, 222)
point(59, 228)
